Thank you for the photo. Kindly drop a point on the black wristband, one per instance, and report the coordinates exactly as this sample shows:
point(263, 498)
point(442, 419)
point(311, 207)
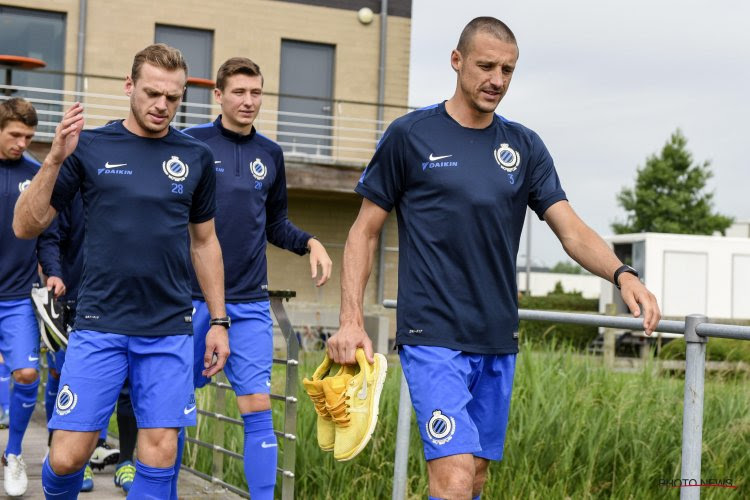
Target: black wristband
point(623, 269)
point(226, 322)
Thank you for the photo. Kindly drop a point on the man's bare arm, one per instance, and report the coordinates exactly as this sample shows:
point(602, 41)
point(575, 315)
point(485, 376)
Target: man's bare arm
point(592, 252)
point(33, 212)
point(205, 253)
point(359, 254)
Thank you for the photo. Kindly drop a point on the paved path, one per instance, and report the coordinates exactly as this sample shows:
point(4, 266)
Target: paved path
point(35, 447)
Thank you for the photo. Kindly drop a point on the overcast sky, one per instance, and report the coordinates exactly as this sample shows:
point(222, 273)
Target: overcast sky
point(605, 84)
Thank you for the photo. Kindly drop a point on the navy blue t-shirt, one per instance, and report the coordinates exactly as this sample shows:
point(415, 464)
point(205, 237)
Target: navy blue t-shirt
point(18, 258)
point(460, 196)
point(138, 196)
point(251, 207)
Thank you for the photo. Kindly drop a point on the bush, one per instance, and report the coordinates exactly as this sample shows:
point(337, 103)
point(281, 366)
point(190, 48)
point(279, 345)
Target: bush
point(716, 350)
point(575, 336)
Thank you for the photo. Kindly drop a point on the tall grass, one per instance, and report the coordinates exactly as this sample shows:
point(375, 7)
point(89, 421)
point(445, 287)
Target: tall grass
point(577, 430)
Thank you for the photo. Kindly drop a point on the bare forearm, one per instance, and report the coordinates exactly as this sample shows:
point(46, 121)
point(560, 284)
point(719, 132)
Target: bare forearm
point(359, 254)
point(33, 213)
point(209, 269)
point(591, 252)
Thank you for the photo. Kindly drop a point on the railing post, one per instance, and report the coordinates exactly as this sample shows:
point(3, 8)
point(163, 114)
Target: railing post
point(401, 460)
point(692, 415)
point(220, 406)
point(609, 339)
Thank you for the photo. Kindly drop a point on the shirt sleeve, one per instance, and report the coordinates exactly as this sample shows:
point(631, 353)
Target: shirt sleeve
point(48, 250)
point(545, 189)
point(279, 229)
point(204, 198)
point(68, 182)
point(382, 182)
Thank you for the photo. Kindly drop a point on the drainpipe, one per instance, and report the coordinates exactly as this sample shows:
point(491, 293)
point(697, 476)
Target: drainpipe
point(381, 100)
point(82, 14)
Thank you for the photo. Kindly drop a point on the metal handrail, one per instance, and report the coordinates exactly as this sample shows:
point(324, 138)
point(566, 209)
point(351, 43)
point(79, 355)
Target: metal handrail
point(696, 330)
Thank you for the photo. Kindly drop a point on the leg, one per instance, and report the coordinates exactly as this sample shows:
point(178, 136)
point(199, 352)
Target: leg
point(126, 424)
point(452, 477)
point(161, 391)
point(62, 471)
point(480, 475)
point(249, 371)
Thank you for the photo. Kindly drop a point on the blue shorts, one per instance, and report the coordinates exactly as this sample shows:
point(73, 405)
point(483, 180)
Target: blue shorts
point(56, 360)
point(248, 368)
point(97, 364)
point(19, 334)
point(461, 399)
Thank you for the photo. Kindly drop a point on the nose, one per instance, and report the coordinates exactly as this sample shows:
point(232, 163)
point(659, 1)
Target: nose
point(497, 80)
point(161, 103)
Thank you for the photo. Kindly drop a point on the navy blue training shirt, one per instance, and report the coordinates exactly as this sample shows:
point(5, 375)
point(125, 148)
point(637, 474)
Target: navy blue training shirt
point(61, 251)
point(138, 196)
point(18, 258)
point(460, 196)
point(251, 207)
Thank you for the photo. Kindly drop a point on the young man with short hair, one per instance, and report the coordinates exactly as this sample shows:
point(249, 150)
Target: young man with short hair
point(251, 208)
point(460, 178)
point(19, 331)
point(145, 187)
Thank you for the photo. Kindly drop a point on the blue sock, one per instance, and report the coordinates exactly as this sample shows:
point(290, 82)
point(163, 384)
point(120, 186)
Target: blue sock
point(151, 483)
point(103, 434)
point(429, 497)
point(60, 487)
point(177, 463)
point(260, 454)
point(478, 497)
point(22, 403)
point(50, 395)
point(4, 386)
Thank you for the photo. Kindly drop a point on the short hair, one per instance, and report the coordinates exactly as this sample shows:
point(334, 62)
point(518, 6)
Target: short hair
point(17, 110)
point(489, 25)
point(160, 55)
point(234, 66)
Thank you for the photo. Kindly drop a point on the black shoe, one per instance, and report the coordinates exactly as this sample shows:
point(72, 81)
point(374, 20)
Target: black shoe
point(51, 316)
point(104, 455)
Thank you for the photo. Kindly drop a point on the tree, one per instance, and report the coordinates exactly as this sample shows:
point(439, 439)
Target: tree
point(669, 195)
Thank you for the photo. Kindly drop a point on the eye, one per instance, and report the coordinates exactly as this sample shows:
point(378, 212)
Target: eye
point(173, 98)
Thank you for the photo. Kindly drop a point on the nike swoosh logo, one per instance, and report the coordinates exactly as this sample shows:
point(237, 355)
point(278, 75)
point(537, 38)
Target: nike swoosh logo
point(31, 358)
point(47, 492)
point(188, 411)
point(114, 165)
point(55, 315)
point(363, 393)
point(29, 405)
point(4, 379)
point(216, 162)
point(436, 158)
point(263, 444)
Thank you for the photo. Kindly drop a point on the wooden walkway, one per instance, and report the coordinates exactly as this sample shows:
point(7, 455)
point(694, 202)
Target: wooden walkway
point(35, 447)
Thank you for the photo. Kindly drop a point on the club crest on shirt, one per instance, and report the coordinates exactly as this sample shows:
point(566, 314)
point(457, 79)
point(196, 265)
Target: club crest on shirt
point(258, 170)
point(507, 158)
point(440, 427)
point(23, 185)
point(66, 400)
point(175, 169)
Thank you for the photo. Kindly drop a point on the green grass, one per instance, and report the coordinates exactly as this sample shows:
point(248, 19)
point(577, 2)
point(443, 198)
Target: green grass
point(576, 430)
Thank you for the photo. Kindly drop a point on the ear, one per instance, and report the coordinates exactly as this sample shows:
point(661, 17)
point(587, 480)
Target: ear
point(129, 84)
point(217, 96)
point(456, 60)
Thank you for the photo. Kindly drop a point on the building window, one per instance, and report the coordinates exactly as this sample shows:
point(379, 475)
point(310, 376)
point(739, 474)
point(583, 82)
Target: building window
point(305, 97)
point(197, 47)
point(41, 35)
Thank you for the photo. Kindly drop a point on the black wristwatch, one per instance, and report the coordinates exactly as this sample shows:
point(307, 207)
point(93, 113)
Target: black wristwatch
point(624, 269)
point(226, 322)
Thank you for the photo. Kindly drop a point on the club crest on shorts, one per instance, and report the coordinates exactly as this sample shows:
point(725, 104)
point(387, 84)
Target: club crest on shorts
point(440, 427)
point(507, 157)
point(175, 169)
point(258, 170)
point(66, 400)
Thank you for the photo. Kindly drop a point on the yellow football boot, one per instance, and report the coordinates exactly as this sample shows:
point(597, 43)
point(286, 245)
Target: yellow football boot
point(352, 402)
point(314, 388)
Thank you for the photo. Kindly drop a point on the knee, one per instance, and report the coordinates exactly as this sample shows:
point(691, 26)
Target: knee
point(26, 375)
point(67, 460)
point(54, 374)
point(157, 447)
point(480, 477)
point(251, 403)
point(456, 483)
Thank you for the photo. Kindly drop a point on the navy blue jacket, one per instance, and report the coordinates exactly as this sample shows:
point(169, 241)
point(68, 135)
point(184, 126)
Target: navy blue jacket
point(61, 250)
point(18, 258)
point(251, 207)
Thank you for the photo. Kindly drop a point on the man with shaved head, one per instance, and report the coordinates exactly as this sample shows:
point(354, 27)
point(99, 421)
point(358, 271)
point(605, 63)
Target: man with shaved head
point(460, 178)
